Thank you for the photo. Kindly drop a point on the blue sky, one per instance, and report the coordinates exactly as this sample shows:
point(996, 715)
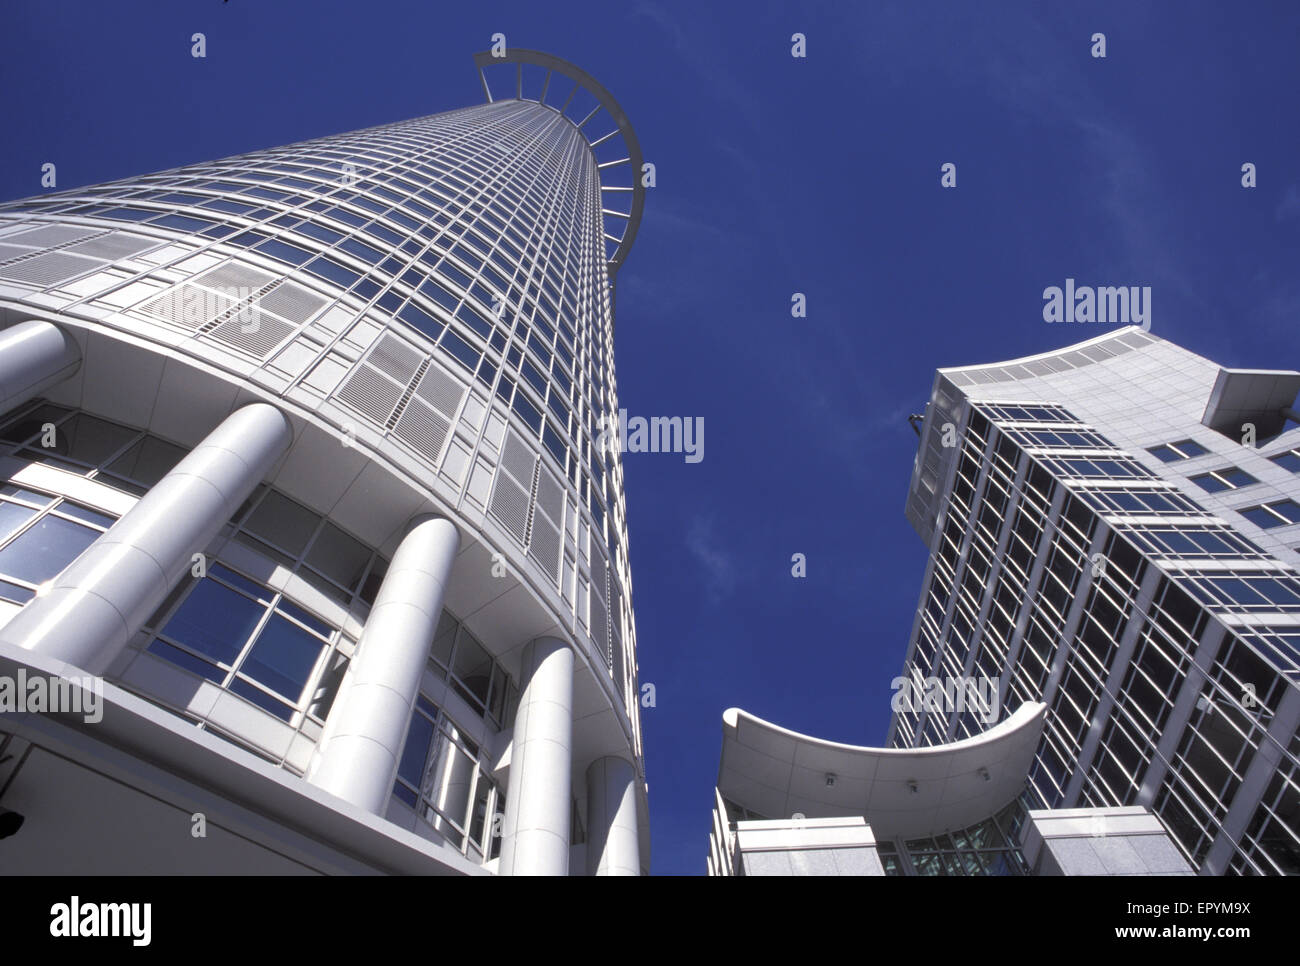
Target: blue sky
point(776, 175)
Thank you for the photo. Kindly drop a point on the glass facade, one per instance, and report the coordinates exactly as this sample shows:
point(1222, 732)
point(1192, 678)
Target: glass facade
point(234, 630)
point(443, 282)
point(1161, 637)
point(377, 328)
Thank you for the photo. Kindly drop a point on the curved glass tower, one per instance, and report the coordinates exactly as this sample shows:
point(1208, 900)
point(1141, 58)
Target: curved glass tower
point(301, 446)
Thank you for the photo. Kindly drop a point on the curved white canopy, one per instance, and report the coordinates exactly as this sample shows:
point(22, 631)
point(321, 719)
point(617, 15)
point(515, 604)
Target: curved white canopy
point(901, 792)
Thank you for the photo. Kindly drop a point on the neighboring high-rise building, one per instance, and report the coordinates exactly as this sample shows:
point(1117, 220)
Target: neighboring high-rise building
point(305, 539)
point(1114, 534)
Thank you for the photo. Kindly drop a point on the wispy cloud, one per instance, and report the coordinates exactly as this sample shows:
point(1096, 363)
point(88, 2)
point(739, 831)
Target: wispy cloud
point(1023, 69)
point(718, 567)
point(1290, 205)
point(700, 51)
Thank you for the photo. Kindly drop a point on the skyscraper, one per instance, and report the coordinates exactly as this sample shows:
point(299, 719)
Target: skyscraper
point(1114, 532)
point(300, 458)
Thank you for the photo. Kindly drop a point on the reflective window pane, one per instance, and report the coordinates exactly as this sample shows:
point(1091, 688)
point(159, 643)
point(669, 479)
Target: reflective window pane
point(283, 657)
point(27, 496)
point(86, 515)
point(12, 518)
point(339, 557)
point(188, 661)
point(215, 621)
point(448, 782)
point(12, 592)
point(25, 427)
point(416, 749)
point(147, 461)
point(261, 699)
point(473, 666)
point(44, 550)
point(282, 522)
point(444, 640)
point(89, 440)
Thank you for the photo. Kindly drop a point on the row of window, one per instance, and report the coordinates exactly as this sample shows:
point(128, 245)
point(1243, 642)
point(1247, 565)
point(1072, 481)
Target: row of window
point(1277, 513)
point(988, 848)
point(1219, 740)
point(225, 627)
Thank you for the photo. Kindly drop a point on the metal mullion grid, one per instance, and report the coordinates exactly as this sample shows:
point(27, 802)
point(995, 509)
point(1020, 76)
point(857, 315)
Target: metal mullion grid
point(383, 164)
point(519, 272)
point(1267, 811)
point(1148, 733)
point(299, 561)
point(1072, 653)
point(1197, 585)
point(540, 231)
point(464, 199)
point(1178, 793)
point(506, 174)
point(1268, 508)
point(996, 563)
point(398, 284)
point(542, 239)
point(1027, 505)
point(932, 579)
point(1038, 566)
point(441, 727)
point(1112, 687)
point(982, 461)
point(1096, 790)
point(92, 471)
point(39, 514)
point(1210, 799)
point(1042, 781)
point(441, 723)
point(329, 646)
point(231, 669)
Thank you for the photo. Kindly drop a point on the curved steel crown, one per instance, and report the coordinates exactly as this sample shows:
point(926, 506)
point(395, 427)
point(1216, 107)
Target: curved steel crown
point(633, 157)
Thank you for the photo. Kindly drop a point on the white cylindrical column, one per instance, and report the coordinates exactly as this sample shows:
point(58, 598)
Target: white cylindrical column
point(535, 833)
point(34, 356)
point(104, 597)
point(359, 750)
point(613, 845)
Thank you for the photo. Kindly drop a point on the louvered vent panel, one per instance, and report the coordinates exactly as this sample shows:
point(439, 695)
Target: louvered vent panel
point(235, 275)
point(292, 302)
point(509, 505)
point(598, 570)
point(51, 268)
point(371, 393)
point(615, 602)
point(13, 251)
point(544, 546)
point(188, 305)
point(616, 657)
point(599, 626)
point(441, 391)
point(113, 246)
point(50, 235)
point(518, 459)
point(422, 429)
point(550, 496)
point(253, 332)
point(395, 358)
